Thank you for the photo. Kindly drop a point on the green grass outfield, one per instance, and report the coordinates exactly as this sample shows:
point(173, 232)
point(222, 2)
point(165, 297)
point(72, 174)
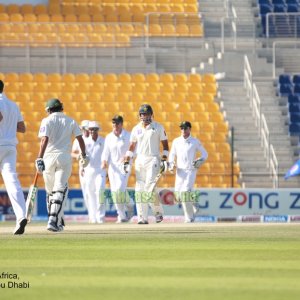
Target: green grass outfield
point(156, 261)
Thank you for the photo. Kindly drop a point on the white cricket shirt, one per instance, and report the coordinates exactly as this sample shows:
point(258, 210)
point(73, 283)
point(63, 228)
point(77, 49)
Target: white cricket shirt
point(59, 128)
point(185, 151)
point(94, 150)
point(115, 147)
point(148, 139)
point(8, 126)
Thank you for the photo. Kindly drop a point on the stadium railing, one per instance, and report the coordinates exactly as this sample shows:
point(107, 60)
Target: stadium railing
point(260, 121)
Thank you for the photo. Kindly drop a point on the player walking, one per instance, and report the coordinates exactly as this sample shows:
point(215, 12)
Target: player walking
point(84, 126)
point(11, 122)
point(95, 176)
point(145, 139)
point(116, 144)
point(55, 161)
point(184, 149)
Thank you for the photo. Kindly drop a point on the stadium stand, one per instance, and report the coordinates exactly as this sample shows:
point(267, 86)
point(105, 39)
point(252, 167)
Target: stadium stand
point(77, 91)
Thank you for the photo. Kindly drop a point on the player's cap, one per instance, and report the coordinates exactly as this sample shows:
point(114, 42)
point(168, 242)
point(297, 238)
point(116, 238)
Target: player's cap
point(185, 124)
point(117, 119)
point(94, 124)
point(84, 124)
point(53, 103)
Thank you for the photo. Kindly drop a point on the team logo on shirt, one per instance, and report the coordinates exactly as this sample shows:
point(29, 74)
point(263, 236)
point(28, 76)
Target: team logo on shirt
point(42, 129)
point(139, 131)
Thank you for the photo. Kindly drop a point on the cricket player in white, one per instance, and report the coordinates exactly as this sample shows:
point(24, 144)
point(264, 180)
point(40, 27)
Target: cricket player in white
point(11, 122)
point(116, 145)
point(54, 159)
point(84, 126)
point(95, 176)
point(145, 139)
point(183, 156)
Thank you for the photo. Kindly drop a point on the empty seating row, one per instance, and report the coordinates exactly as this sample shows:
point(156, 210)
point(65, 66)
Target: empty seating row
point(287, 89)
point(103, 8)
point(109, 78)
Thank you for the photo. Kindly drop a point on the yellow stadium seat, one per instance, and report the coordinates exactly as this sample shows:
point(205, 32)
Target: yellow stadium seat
point(4, 17)
point(96, 78)
point(208, 78)
point(43, 18)
point(110, 78)
point(97, 18)
point(68, 78)
point(82, 77)
point(139, 87)
point(26, 9)
point(16, 17)
point(124, 78)
point(40, 9)
point(154, 29)
point(217, 117)
point(68, 88)
point(11, 77)
point(181, 88)
point(57, 18)
point(221, 127)
point(220, 137)
point(212, 107)
point(26, 77)
point(54, 77)
point(13, 9)
point(70, 18)
point(84, 18)
point(138, 78)
point(29, 18)
point(152, 78)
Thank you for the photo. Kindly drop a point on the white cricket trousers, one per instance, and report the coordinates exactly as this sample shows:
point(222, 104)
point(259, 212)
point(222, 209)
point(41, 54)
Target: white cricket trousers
point(95, 180)
point(146, 169)
point(118, 183)
point(58, 169)
point(10, 177)
point(184, 182)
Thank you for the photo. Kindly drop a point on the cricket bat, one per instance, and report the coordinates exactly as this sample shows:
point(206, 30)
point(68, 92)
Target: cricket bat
point(31, 198)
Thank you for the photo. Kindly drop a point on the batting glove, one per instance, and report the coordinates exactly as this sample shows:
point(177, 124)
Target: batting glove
point(163, 164)
point(40, 165)
point(83, 160)
point(126, 167)
point(198, 162)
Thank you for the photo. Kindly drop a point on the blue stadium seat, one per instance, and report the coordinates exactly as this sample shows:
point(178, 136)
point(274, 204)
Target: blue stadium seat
point(285, 90)
point(292, 2)
point(279, 8)
point(294, 99)
point(264, 2)
point(297, 89)
point(296, 79)
point(280, 2)
point(265, 9)
point(295, 118)
point(294, 108)
point(294, 129)
point(293, 8)
point(285, 79)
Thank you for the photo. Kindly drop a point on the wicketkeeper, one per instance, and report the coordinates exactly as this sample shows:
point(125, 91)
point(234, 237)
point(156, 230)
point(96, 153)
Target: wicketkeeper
point(183, 155)
point(54, 159)
point(145, 139)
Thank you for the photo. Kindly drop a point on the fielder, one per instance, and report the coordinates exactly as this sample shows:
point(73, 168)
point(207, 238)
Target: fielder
point(116, 144)
point(84, 126)
point(54, 159)
point(95, 176)
point(11, 122)
point(184, 149)
point(145, 139)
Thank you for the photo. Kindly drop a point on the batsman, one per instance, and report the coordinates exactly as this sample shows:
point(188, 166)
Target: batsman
point(145, 139)
point(54, 159)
